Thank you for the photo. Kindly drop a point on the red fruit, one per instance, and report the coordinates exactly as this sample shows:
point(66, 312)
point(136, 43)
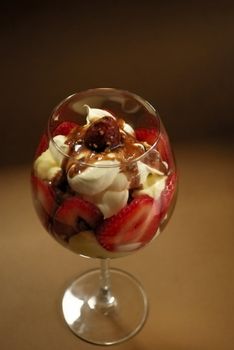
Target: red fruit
point(75, 215)
point(101, 134)
point(44, 199)
point(147, 135)
point(134, 226)
point(163, 147)
point(167, 194)
point(64, 128)
point(43, 145)
point(44, 194)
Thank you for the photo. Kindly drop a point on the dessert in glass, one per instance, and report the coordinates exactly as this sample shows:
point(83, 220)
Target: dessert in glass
point(104, 186)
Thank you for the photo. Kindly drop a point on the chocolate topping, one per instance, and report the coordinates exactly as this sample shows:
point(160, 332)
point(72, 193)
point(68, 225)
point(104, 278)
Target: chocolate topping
point(106, 139)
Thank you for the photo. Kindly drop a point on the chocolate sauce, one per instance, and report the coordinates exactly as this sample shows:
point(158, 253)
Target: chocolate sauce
point(80, 156)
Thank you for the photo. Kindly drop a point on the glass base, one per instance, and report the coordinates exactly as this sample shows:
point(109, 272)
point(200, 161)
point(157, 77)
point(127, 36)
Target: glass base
point(105, 319)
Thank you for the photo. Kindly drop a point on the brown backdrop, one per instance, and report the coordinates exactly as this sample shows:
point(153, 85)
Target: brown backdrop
point(178, 55)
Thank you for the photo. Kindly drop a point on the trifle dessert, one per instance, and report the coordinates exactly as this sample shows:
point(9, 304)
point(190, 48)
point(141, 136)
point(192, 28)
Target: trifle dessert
point(104, 178)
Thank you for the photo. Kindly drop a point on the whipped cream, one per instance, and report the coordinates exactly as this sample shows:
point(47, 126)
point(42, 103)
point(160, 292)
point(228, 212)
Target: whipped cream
point(96, 113)
point(145, 170)
point(45, 166)
point(128, 129)
point(49, 163)
point(152, 180)
point(58, 148)
point(94, 179)
point(113, 198)
point(111, 202)
point(105, 187)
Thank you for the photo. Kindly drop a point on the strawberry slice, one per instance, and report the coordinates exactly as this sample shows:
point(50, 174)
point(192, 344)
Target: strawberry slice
point(133, 227)
point(43, 145)
point(167, 194)
point(44, 200)
point(163, 147)
point(147, 135)
point(64, 128)
point(75, 215)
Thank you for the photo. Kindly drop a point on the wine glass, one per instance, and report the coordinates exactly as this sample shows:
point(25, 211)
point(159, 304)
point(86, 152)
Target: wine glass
point(104, 186)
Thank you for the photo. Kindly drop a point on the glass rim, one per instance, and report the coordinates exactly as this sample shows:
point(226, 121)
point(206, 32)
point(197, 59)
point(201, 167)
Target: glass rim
point(100, 165)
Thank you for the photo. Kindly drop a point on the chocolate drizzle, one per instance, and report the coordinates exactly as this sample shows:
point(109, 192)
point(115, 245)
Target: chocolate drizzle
point(124, 152)
point(81, 156)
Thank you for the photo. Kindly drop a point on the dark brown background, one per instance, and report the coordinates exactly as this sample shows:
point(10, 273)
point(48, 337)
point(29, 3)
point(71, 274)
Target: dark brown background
point(179, 55)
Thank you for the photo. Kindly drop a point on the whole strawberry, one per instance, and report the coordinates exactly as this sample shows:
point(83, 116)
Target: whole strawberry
point(101, 134)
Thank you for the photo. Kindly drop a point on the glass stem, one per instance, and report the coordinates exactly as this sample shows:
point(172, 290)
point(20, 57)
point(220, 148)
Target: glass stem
point(105, 297)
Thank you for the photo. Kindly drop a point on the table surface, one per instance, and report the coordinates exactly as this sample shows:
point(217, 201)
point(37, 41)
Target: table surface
point(187, 272)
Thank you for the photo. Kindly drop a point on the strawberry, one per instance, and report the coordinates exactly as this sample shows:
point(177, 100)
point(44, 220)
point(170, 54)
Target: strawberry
point(163, 147)
point(167, 194)
point(147, 135)
point(101, 134)
point(44, 199)
point(64, 128)
point(75, 215)
point(43, 145)
point(133, 227)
